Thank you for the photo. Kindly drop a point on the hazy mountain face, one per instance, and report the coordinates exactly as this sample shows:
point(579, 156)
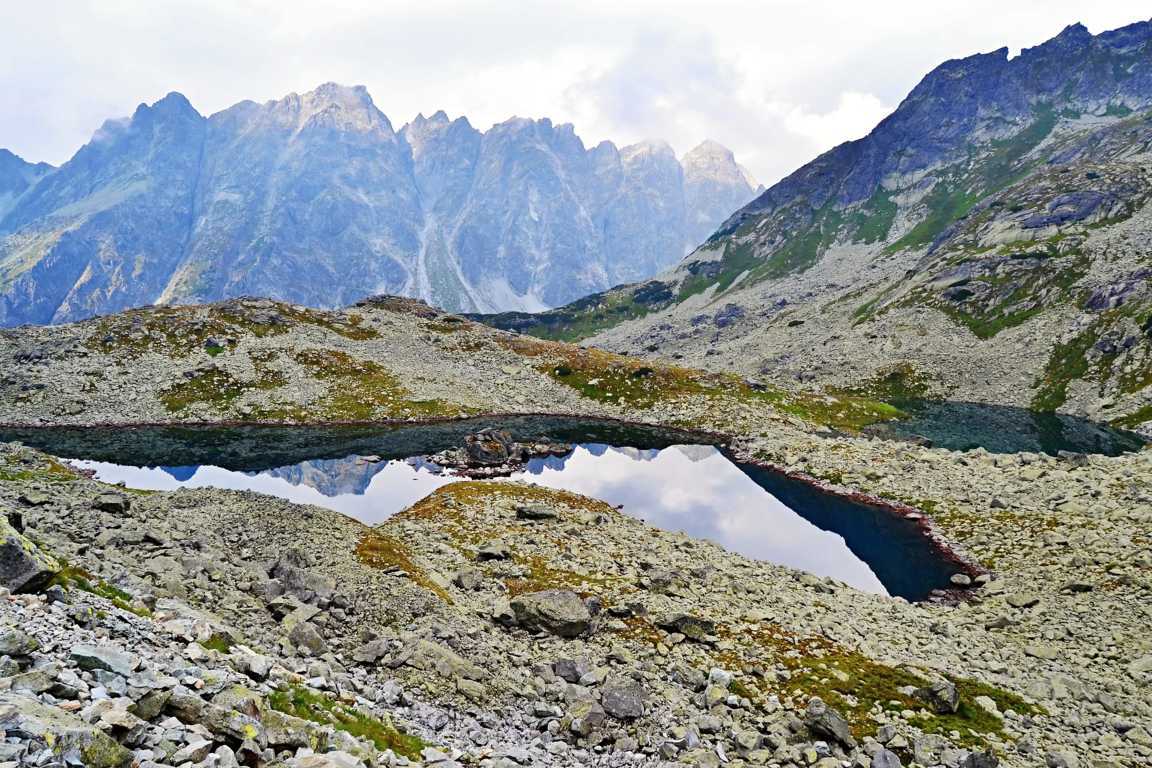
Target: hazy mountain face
point(991, 236)
point(316, 199)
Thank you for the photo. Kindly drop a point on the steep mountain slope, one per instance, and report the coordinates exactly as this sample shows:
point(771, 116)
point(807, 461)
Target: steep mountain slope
point(315, 198)
point(990, 236)
point(16, 176)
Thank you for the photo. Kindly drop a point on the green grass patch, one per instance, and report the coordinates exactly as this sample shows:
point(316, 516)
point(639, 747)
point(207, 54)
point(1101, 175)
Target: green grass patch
point(214, 387)
point(219, 643)
point(958, 190)
point(317, 707)
point(1134, 419)
point(71, 576)
point(857, 687)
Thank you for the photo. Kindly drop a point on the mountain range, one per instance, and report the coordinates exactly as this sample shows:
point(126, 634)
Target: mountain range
point(316, 199)
point(990, 240)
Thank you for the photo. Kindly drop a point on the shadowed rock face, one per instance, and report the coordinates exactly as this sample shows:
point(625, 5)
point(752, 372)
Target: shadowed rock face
point(316, 199)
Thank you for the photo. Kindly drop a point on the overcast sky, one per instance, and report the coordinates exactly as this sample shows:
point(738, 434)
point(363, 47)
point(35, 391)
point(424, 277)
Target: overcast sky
point(776, 80)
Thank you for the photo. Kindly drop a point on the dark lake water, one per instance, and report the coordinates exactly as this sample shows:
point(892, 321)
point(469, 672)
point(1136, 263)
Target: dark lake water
point(667, 478)
point(1002, 429)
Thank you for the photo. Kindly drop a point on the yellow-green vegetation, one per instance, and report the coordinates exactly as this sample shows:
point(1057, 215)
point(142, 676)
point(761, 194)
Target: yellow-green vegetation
point(898, 383)
point(1134, 419)
point(41, 469)
point(71, 576)
point(961, 187)
point(587, 316)
point(543, 575)
point(218, 642)
point(1092, 354)
point(214, 329)
point(317, 707)
point(364, 390)
point(381, 551)
point(847, 412)
point(609, 378)
point(451, 508)
point(856, 686)
point(456, 511)
point(215, 387)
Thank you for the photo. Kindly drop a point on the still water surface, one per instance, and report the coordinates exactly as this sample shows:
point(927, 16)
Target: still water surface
point(370, 474)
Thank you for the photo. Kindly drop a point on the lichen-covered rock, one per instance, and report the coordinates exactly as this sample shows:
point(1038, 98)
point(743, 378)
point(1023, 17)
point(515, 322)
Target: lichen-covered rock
point(556, 611)
point(24, 567)
point(67, 736)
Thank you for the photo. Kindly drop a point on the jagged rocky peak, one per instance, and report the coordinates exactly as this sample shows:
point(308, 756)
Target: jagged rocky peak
point(313, 198)
point(331, 105)
point(712, 160)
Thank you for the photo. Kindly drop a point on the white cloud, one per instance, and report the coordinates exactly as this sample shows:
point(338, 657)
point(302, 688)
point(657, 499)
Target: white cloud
point(776, 80)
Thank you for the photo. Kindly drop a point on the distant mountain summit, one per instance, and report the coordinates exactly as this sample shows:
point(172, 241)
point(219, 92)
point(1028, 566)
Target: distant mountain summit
point(315, 198)
point(989, 240)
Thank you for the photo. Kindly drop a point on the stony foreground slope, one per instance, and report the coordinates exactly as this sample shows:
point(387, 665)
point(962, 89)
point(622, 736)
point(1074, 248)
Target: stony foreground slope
point(505, 624)
point(990, 237)
point(500, 624)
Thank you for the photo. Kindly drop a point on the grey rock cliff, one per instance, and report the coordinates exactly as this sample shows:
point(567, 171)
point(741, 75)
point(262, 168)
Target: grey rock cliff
point(317, 199)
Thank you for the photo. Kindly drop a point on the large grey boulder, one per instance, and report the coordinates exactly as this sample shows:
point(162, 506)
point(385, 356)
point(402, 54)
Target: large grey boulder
point(103, 657)
point(624, 700)
point(827, 723)
point(305, 637)
point(24, 567)
point(556, 611)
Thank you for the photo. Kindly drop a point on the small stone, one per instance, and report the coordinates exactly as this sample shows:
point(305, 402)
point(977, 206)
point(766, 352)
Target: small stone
point(961, 580)
point(1021, 600)
point(1043, 651)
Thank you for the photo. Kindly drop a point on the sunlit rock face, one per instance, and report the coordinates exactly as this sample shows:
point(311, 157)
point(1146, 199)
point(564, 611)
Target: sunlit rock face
point(316, 198)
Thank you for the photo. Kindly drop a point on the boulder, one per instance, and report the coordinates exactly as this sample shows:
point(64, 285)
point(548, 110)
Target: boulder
point(16, 642)
point(556, 611)
point(68, 737)
point(886, 758)
point(93, 657)
point(536, 512)
point(305, 637)
point(493, 550)
point(980, 760)
point(827, 723)
point(624, 701)
point(111, 502)
point(24, 567)
point(571, 670)
point(488, 447)
point(941, 695)
point(692, 627)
